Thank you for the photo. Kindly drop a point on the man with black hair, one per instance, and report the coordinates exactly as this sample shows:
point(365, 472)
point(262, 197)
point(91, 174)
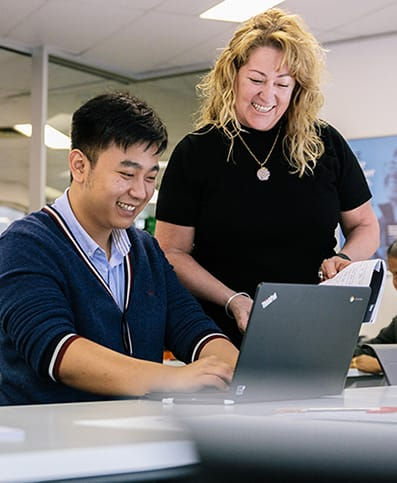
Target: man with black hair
point(88, 302)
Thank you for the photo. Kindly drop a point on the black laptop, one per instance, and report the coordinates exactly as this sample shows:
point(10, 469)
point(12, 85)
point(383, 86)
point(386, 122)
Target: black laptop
point(298, 344)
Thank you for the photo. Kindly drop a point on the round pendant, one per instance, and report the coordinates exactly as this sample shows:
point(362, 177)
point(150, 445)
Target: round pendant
point(263, 174)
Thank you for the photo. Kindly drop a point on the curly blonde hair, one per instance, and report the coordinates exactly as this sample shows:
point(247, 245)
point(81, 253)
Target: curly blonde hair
point(305, 60)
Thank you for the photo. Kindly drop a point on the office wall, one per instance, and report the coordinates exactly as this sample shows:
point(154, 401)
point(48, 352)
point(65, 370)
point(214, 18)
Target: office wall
point(361, 95)
point(361, 101)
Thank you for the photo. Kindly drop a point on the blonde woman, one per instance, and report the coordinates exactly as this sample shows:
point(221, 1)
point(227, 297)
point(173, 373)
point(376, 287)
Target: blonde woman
point(256, 192)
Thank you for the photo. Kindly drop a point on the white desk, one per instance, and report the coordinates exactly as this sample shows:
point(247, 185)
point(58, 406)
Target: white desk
point(259, 443)
point(49, 442)
point(245, 442)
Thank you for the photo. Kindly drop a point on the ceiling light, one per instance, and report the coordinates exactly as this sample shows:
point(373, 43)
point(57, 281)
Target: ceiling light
point(237, 10)
point(52, 137)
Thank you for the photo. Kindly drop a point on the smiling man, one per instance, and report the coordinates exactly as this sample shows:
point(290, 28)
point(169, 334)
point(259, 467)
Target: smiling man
point(87, 302)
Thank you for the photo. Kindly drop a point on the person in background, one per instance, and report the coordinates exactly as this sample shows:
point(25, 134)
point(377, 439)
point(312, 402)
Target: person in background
point(364, 358)
point(388, 209)
point(87, 302)
point(256, 192)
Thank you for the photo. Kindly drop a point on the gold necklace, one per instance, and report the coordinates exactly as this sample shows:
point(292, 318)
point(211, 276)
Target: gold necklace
point(263, 174)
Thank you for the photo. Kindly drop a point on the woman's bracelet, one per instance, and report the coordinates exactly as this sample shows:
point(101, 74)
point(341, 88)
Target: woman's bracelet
point(230, 300)
point(344, 256)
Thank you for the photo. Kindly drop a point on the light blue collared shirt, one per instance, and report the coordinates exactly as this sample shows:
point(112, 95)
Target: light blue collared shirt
point(112, 271)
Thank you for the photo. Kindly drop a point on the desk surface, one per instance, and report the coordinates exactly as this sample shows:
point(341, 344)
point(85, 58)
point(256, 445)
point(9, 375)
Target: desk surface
point(49, 442)
point(350, 438)
point(52, 442)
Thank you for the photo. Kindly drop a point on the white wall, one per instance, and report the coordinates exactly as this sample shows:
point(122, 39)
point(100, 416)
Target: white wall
point(361, 95)
point(361, 101)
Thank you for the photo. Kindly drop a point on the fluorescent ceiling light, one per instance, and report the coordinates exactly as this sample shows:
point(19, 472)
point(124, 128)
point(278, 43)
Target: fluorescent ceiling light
point(238, 10)
point(52, 137)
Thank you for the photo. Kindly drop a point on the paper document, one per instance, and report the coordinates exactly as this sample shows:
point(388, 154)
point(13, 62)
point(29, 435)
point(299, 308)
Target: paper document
point(367, 273)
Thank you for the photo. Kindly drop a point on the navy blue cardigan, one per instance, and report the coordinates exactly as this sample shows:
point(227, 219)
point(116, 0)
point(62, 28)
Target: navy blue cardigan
point(47, 291)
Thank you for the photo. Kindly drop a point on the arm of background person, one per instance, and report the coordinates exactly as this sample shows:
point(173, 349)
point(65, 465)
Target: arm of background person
point(366, 363)
point(361, 230)
point(387, 335)
point(91, 367)
point(177, 242)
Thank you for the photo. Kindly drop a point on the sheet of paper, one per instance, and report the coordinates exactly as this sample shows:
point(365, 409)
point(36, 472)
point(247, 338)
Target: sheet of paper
point(367, 273)
point(357, 273)
point(353, 372)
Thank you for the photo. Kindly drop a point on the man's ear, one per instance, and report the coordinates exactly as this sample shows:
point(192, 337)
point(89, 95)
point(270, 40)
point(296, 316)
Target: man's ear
point(78, 165)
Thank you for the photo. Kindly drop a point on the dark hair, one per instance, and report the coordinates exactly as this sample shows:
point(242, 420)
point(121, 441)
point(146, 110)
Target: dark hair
point(392, 250)
point(116, 119)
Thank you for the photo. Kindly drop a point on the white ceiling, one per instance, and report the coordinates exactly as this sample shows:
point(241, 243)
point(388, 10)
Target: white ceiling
point(138, 39)
point(147, 37)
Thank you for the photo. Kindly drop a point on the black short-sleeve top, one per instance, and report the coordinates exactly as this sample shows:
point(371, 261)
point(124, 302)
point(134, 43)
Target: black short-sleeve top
point(247, 230)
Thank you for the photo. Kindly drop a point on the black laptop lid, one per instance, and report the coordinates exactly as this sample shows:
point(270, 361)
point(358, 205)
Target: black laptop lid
point(299, 341)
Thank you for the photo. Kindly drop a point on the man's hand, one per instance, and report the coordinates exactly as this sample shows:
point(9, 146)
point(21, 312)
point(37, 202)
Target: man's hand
point(206, 372)
point(91, 367)
point(366, 363)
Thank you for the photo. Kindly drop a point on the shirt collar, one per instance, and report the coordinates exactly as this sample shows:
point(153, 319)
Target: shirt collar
point(120, 241)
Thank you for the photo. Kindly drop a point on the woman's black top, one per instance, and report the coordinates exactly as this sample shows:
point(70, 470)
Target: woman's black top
point(246, 230)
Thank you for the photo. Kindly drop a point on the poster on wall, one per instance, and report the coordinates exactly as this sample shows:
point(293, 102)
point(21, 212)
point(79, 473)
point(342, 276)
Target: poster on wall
point(378, 159)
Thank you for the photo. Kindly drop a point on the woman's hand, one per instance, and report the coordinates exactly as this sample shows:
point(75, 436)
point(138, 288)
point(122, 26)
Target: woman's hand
point(360, 228)
point(331, 266)
point(241, 307)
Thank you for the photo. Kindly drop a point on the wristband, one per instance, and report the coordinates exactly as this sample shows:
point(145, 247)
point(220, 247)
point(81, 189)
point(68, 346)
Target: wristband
point(344, 256)
point(229, 301)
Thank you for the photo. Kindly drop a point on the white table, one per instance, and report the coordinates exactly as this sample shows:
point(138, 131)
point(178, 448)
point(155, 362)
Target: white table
point(302, 441)
point(245, 442)
point(50, 442)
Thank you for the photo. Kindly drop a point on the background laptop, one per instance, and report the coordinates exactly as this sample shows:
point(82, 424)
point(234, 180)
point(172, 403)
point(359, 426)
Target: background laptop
point(387, 357)
point(298, 344)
